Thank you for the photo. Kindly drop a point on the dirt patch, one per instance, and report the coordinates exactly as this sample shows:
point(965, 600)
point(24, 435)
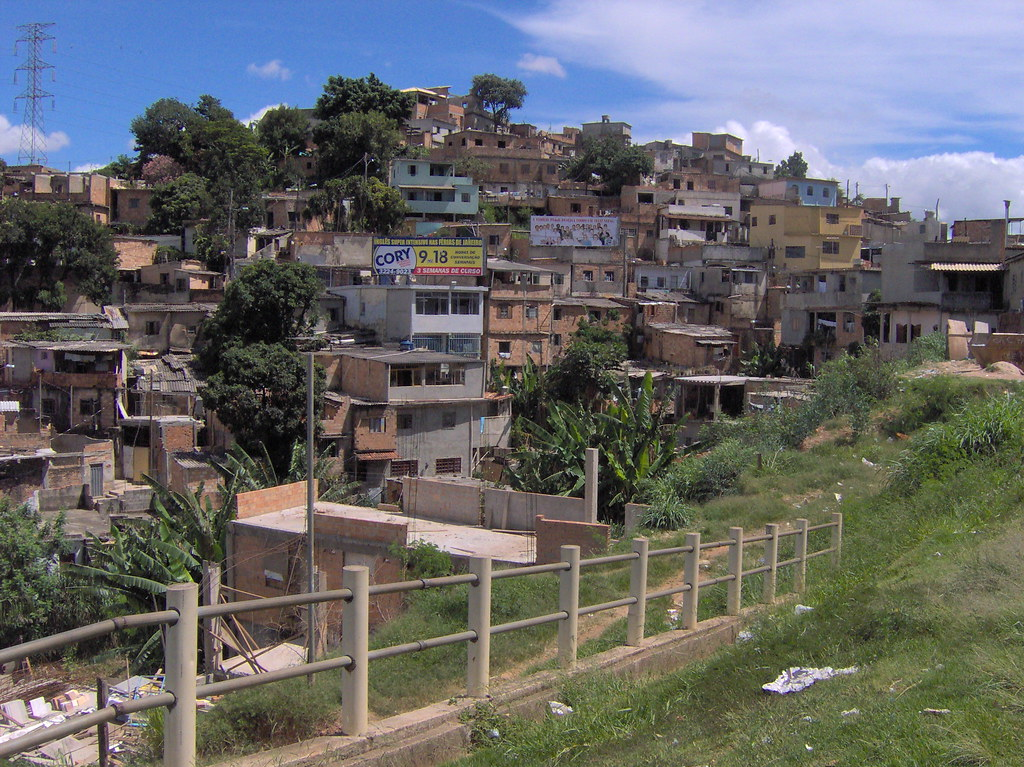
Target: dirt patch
point(824, 436)
point(998, 371)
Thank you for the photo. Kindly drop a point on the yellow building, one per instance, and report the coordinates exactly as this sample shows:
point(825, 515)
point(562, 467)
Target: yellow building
point(807, 236)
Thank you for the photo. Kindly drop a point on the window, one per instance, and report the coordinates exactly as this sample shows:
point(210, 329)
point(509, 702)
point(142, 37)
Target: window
point(830, 247)
point(448, 466)
point(152, 327)
point(645, 198)
point(609, 275)
point(88, 406)
point(448, 419)
point(49, 406)
point(531, 311)
point(180, 285)
point(848, 322)
point(644, 281)
point(133, 203)
point(595, 315)
point(405, 375)
point(574, 207)
point(405, 421)
point(689, 186)
point(842, 283)
point(465, 196)
point(794, 251)
point(536, 347)
point(505, 347)
point(753, 221)
point(725, 275)
point(165, 279)
point(771, 220)
point(810, 191)
point(588, 275)
point(444, 374)
point(660, 282)
point(556, 339)
point(465, 303)
point(675, 183)
point(558, 279)
point(831, 218)
point(556, 313)
point(493, 239)
point(503, 311)
point(901, 334)
point(375, 424)
point(431, 303)
point(404, 468)
point(412, 169)
point(501, 144)
point(478, 142)
point(728, 210)
point(824, 192)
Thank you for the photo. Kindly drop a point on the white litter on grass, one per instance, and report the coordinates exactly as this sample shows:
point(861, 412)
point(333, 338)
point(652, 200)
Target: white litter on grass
point(866, 462)
point(801, 609)
point(797, 678)
point(936, 711)
point(745, 636)
point(808, 747)
point(852, 712)
point(559, 709)
point(839, 497)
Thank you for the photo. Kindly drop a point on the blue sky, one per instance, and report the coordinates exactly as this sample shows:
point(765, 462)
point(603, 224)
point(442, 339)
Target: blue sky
point(921, 95)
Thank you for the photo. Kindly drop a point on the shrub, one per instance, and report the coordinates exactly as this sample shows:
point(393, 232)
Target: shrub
point(927, 348)
point(421, 559)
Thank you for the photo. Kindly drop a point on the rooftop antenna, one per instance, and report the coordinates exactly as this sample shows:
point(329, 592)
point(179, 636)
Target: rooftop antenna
point(32, 150)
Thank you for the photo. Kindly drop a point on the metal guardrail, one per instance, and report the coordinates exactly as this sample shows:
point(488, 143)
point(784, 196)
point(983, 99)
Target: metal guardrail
point(183, 614)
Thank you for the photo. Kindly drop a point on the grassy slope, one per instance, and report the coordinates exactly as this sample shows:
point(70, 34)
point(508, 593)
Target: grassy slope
point(928, 603)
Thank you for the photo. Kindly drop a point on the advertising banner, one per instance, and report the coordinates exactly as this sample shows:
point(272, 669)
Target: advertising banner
point(575, 231)
point(429, 255)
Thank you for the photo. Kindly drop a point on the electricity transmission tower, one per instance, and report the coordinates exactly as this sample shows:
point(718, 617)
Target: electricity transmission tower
point(32, 150)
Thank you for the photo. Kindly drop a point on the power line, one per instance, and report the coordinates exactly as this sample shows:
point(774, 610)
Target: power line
point(32, 150)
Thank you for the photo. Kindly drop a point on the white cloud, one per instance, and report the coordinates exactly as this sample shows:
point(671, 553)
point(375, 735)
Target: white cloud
point(88, 167)
point(547, 65)
point(967, 184)
point(256, 116)
point(10, 138)
point(925, 75)
point(272, 70)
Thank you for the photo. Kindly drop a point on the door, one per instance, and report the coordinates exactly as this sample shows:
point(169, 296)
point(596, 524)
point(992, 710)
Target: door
point(96, 480)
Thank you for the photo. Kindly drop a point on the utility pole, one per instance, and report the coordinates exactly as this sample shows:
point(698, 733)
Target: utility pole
point(32, 150)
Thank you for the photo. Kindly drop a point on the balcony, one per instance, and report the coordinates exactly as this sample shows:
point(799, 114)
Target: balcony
point(971, 302)
point(80, 380)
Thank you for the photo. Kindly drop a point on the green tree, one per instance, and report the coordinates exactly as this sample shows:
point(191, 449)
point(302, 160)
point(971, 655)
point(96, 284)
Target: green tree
point(356, 143)
point(586, 368)
point(35, 597)
point(173, 204)
point(499, 95)
point(42, 245)
point(270, 303)
point(165, 128)
point(121, 167)
point(376, 207)
point(794, 166)
point(328, 205)
point(614, 164)
point(259, 393)
point(350, 95)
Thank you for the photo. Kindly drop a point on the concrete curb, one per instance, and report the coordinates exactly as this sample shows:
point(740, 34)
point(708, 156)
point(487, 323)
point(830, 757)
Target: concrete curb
point(434, 734)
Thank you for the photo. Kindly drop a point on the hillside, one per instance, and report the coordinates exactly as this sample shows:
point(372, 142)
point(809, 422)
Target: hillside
point(927, 606)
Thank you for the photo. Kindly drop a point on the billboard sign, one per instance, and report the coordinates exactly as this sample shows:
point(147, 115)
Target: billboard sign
point(429, 255)
point(574, 231)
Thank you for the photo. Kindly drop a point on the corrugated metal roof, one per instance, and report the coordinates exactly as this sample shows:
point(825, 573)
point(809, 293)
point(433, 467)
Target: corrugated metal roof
point(966, 267)
point(384, 455)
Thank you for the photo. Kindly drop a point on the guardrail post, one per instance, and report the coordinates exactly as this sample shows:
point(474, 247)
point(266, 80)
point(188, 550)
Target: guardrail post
point(355, 641)
point(837, 538)
point(180, 659)
point(691, 577)
point(735, 594)
point(637, 616)
point(800, 575)
point(478, 668)
point(771, 560)
point(569, 602)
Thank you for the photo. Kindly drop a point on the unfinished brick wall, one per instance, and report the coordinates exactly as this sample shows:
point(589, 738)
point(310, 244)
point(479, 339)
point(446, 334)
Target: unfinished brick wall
point(552, 534)
point(278, 498)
